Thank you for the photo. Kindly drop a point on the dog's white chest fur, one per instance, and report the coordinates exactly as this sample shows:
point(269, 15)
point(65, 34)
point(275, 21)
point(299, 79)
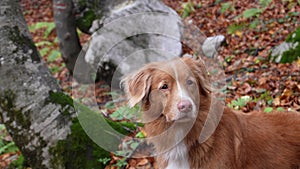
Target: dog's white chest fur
point(177, 157)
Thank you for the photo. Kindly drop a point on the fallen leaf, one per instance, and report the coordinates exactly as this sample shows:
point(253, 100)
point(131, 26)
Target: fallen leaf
point(143, 162)
point(268, 109)
point(276, 101)
point(246, 88)
point(239, 33)
point(262, 80)
point(286, 93)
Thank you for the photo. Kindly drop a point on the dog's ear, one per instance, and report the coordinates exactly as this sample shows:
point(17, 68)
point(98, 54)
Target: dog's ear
point(137, 86)
point(200, 71)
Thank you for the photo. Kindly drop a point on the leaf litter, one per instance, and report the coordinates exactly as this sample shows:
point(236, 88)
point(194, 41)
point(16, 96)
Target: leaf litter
point(251, 30)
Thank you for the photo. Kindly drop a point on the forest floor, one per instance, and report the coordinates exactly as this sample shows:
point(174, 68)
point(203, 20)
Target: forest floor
point(254, 83)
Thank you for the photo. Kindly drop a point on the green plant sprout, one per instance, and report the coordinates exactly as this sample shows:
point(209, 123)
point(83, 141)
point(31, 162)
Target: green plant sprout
point(105, 160)
point(227, 6)
point(50, 26)
point(188, 7)
point(127, 113)
point(240, 102)
point(48, 49)
point(121, 163)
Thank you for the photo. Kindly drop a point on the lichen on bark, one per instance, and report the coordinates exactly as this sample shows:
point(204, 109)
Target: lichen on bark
point(22, 42)
point(16, 124)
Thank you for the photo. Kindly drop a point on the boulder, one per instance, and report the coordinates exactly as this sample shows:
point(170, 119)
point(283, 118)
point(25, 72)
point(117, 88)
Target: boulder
point(289, 50)
point(130, 34)
point(211, 45)
point(278, 51)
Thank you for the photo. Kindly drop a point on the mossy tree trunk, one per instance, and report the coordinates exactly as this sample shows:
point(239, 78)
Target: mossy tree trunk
point(39, 117)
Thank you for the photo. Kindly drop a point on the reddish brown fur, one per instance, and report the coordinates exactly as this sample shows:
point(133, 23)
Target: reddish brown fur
point(241, 141)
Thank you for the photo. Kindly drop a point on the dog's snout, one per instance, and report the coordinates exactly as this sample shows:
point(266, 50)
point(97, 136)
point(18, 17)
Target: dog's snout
point(184, 106)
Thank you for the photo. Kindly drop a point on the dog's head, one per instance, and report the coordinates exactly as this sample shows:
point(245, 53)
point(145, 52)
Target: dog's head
point(169, 90)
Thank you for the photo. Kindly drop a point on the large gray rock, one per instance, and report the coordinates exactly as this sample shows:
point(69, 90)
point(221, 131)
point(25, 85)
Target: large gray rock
point(211, 45)
point(278, 51)
point(131, 34)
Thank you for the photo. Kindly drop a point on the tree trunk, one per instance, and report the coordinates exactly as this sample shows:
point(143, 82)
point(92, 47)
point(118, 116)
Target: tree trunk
point(66, 32)
point(38, 116)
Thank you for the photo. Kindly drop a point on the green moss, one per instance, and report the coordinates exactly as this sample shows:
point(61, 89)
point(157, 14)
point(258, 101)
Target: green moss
point(7, 104)
point(78, 150)
point(62, 99)
point(294, 37)
point(7, 100)
point(292, 54)
point(85, 22)
point(20, 163)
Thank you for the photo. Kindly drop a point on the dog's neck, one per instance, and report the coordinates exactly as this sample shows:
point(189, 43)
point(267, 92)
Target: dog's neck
point(190, 152)
point(177, 157)
point(198, 151)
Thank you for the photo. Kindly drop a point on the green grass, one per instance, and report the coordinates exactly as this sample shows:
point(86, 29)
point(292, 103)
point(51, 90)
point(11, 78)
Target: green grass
point(8, 146)
point(240, 102)
point(48, 48)
point(49, 26)
point(188, 8)
point(227, 6)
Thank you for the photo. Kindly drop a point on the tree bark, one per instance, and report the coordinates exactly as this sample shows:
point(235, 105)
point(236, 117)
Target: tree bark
point(66, 32)
point(38, 116)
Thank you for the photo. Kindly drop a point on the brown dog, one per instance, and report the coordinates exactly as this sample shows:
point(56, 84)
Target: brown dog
point(176, 100)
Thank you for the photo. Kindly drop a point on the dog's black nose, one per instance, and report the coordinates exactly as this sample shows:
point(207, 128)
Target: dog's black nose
point(184, 106)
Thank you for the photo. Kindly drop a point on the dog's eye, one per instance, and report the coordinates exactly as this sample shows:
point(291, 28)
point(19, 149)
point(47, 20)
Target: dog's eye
point(164, 87)
point(189, 82)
